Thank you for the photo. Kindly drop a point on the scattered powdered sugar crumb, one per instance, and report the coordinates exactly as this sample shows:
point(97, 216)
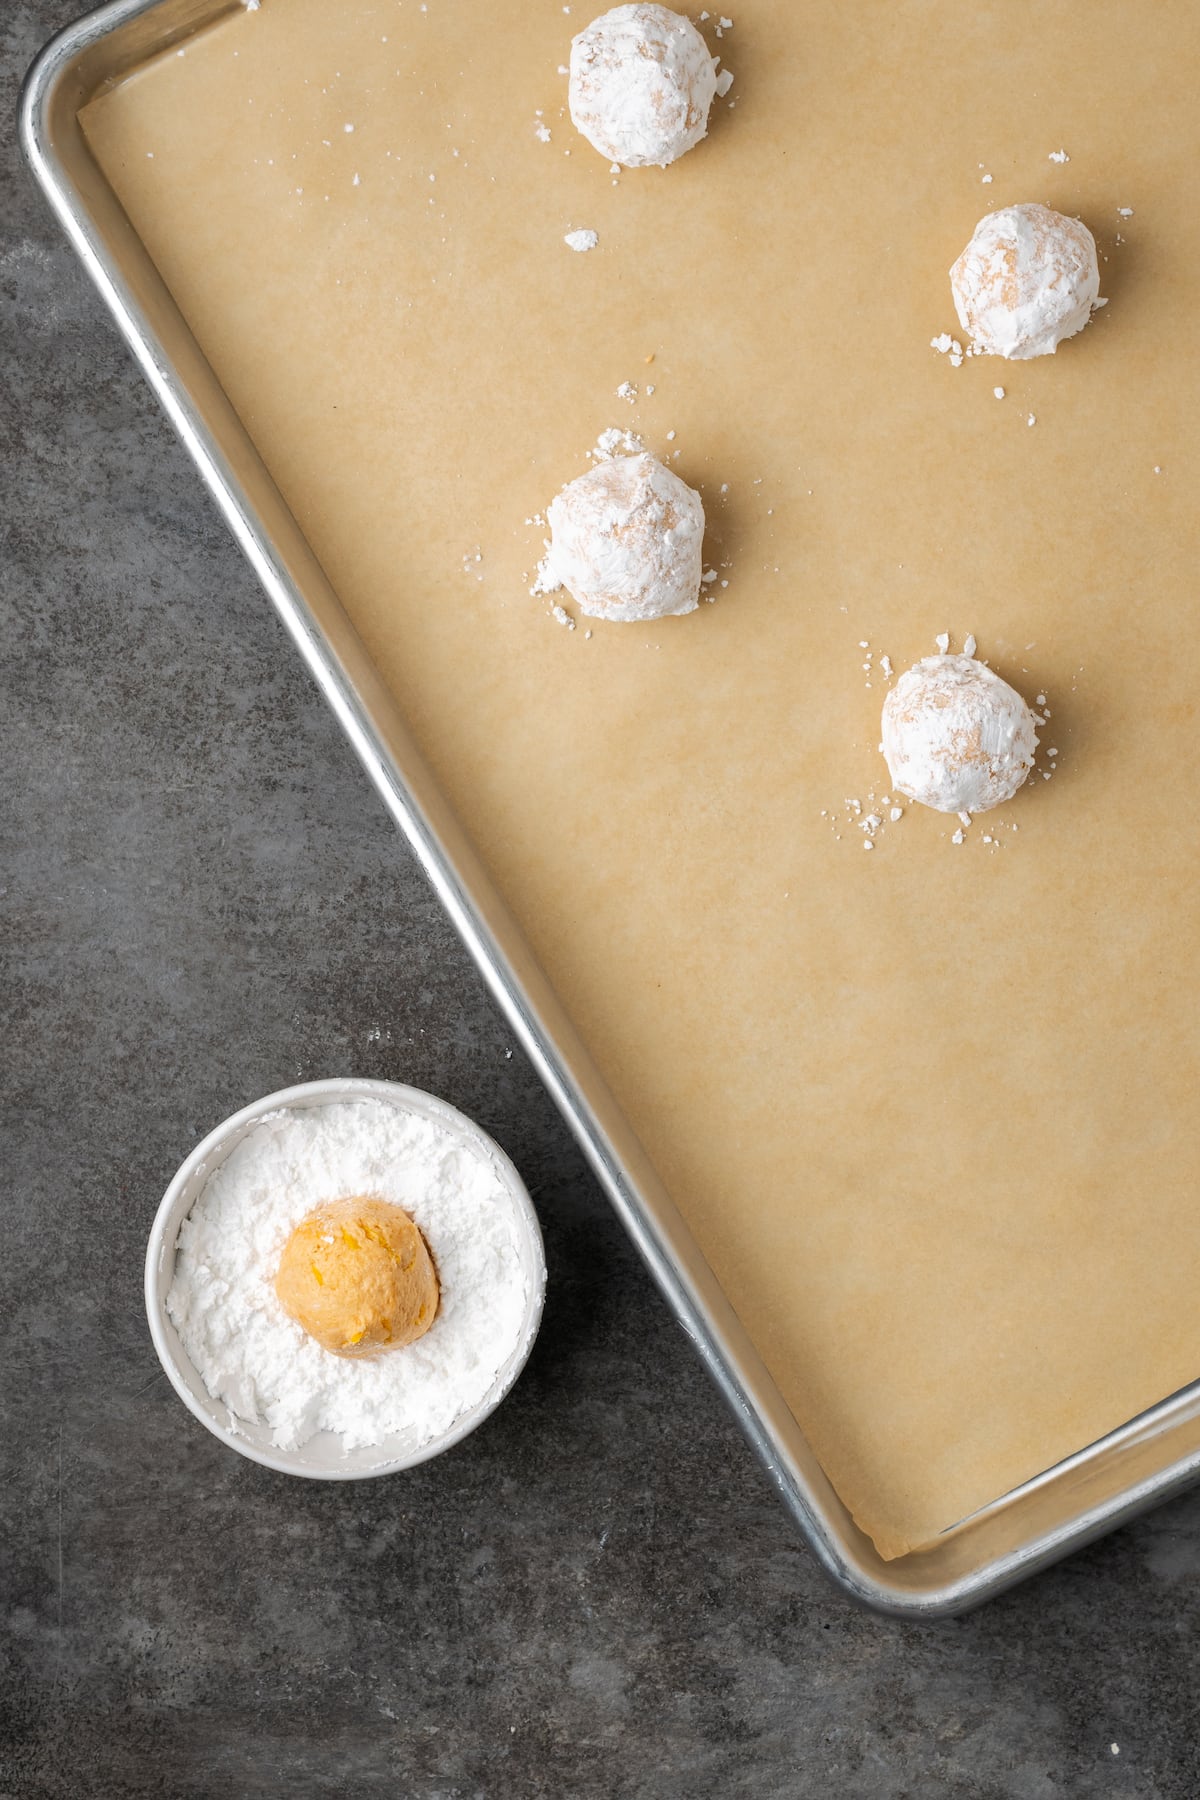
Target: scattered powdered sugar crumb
point(999, 393)
point(952, 349)
point(1125, 212)
point(261, 1364)
point(581, 240)
point(968, 648)
point(563, 617)
point(869, 668)
point(945, 345)
point(1031, 418)
point(865, 816)
point(943, 642)
point(1059, 156)
point(615, 442)
point(627, 391)
point(986, 179)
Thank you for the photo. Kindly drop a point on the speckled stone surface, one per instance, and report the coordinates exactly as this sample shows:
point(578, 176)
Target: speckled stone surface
point(598, 1593)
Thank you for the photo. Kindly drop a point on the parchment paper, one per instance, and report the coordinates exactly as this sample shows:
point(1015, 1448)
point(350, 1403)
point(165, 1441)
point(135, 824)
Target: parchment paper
point(930, 1110)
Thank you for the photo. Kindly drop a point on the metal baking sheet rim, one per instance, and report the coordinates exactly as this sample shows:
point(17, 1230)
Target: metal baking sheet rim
point(1092, 1492)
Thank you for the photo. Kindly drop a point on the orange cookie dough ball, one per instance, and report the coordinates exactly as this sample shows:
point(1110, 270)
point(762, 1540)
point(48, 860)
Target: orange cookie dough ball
point(357, 1275)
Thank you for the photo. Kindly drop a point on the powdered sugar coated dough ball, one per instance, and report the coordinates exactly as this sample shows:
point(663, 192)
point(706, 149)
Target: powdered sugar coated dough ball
point(641, 84)
point(1027, 280)
point(626, 540)
point(957, 737)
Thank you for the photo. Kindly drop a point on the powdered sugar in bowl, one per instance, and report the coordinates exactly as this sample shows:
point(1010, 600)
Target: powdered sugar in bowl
point(253, 1375)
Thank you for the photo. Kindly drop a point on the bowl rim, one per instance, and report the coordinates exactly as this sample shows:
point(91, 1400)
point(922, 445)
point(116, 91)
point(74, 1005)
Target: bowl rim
point(218, 1143)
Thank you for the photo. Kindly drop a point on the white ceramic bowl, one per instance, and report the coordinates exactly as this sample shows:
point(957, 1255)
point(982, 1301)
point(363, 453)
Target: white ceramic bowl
point(323, 1457)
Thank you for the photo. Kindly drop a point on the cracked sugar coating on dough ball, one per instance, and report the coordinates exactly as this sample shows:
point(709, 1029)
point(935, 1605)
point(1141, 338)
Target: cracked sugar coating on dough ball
point(1027, 280)
point(641, 84)
point(957, 737)
point(627, 540)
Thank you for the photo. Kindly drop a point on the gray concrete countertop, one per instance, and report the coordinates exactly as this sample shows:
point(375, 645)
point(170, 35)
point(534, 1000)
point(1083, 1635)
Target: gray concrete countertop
point(597, 1594)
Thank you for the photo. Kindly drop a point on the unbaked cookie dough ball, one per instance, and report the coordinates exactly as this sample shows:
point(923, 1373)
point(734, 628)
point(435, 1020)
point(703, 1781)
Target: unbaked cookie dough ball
point(1027, 280)
point(957, 737)
point(626, 540)
point(641, 84)
point(357, 1275)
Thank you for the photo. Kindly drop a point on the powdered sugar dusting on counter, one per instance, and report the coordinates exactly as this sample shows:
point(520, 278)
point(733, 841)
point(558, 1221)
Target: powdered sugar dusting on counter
point(263, 1366)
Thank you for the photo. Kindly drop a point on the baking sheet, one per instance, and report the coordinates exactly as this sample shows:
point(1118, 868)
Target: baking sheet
point(929, 1110)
